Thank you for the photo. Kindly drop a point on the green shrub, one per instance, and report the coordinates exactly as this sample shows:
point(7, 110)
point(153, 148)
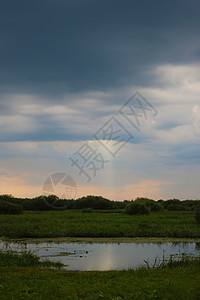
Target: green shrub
point(87, 210)
point(152, 204)
point(137, 208)
point(177, 207)
point(197, 215)
point(10, 258)
point(10, 208)
point(25, 259)
point(93, 202)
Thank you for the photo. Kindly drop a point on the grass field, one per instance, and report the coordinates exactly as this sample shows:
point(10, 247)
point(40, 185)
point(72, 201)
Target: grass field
point(26, 278)
point(75, 223)
point(180, 282)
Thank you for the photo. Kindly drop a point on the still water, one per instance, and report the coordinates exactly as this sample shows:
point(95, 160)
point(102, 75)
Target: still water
point(105, 256)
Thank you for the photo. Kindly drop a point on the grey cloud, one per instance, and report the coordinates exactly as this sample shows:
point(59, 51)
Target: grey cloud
point(50, 47)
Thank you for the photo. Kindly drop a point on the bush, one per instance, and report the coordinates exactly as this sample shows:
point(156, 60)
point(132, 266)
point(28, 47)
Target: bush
point(10, 258)
point(87, 210)
point(93, 202)
point(197, 216)
point(177, 207)
point(10, 208)
point(153, 205)
point(25, 259)
point(137, 208)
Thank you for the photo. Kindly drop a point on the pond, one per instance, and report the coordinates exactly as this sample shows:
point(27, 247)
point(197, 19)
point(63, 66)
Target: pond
point(105, 256)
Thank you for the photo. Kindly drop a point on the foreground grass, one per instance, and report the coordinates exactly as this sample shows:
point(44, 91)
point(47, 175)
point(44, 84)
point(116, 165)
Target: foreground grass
point(74, 223)
point(176, 282)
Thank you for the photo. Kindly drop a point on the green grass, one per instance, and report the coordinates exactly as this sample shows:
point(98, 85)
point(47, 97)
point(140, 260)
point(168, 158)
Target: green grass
point(24, 259)
point(181, 281)
point(75, 223)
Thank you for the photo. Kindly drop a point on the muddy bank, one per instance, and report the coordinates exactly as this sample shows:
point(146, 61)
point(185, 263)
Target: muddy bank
point(102, 240)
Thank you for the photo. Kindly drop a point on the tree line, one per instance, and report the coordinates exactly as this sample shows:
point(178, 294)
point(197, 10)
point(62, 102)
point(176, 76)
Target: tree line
point(12, 205)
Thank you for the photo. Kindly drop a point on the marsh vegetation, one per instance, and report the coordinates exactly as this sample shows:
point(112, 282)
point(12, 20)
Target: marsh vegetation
point(26, 277)
point(75, 223)
point(172, 280)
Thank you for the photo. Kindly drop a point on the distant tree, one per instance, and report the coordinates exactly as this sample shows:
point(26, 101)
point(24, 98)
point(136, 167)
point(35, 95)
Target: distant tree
point(177, 205)
point(10, 208)
point(6, 197)
point(94, 202)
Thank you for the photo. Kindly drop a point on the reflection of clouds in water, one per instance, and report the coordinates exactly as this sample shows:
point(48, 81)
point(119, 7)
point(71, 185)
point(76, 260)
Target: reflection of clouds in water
point(103, 258)
point(115, 256)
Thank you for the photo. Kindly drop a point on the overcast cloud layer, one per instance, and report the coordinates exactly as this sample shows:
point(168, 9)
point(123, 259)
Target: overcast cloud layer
point(67, 66)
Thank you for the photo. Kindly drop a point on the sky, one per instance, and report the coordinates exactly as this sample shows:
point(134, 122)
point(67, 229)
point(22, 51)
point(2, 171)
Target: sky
point(100, 98)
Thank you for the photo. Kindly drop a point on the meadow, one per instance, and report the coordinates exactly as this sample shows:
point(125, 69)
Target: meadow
point(110, 223)
point(25, 277)
point(172, 281)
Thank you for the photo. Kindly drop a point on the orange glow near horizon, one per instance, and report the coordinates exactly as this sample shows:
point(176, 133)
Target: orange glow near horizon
point(146, 188)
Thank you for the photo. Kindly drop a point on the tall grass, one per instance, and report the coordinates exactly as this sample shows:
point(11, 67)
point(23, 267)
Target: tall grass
point(99, 224)
point(172, 262)
point(24, 259)
point(168, 283)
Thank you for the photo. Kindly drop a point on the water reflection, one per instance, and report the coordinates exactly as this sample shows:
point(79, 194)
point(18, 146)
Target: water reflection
point(105, 256)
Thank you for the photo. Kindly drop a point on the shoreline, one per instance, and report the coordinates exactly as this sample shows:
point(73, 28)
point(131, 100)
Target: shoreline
point(100, 240)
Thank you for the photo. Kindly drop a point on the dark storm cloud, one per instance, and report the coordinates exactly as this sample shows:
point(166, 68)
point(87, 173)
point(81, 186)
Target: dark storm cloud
point(51, 47)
